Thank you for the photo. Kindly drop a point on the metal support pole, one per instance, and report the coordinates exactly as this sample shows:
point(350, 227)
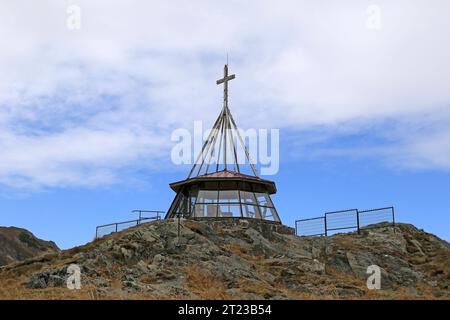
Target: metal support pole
point(325, 219)
point(393, 218)
point(240, 200)
point(357, 220)
point(217, 203)
point(225, 141)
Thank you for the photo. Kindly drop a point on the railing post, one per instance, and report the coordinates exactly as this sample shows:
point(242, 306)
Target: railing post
point(116, 227)
point(325, 220)
point(357, 219)
point(296, 233)
point(393, 218)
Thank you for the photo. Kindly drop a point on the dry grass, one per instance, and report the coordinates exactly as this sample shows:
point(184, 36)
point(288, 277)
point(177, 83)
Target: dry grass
point(204, 284)
point(12, 291)
point(19, 292)
point(256, 287)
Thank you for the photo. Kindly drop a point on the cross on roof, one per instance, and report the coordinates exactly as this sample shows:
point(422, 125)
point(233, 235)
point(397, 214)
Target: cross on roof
point(225, 80)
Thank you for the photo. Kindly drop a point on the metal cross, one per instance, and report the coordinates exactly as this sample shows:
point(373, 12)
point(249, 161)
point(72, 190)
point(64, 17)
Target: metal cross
point(225, 80)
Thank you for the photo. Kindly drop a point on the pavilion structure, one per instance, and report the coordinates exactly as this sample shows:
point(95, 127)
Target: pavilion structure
point(219, 189)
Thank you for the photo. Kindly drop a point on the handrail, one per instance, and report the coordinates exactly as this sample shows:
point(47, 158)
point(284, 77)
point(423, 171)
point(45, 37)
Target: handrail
point(342, 222)
point(157, 217)
point(147, 211)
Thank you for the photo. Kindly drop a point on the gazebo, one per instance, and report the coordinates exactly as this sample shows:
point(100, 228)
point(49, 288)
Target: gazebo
point(213, 192)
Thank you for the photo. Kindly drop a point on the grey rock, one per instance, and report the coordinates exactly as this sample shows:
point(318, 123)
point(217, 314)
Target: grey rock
point(48, 278)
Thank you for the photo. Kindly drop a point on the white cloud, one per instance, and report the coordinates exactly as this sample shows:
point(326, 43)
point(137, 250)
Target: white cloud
point(423, 151)
point(77, 106)
point(73, 157)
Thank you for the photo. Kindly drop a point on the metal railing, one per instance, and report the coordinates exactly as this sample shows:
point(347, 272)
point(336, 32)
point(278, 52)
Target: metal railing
point(310, 227)
point(341, 221)
point(344, 221)
point(140, 212)
point(106, 229)
point(367, 218)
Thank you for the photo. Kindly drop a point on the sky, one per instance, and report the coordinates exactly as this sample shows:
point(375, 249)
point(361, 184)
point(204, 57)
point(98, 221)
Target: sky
point(91, 91)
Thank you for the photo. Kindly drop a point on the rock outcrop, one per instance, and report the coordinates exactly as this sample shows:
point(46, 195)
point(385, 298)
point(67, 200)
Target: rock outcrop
point(18, 244)
point(241, 259)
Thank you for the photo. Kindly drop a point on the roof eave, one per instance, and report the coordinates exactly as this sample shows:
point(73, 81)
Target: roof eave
point(176, 186)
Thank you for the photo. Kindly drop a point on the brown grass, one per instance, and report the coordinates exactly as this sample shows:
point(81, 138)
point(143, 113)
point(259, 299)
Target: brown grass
point(204, 284)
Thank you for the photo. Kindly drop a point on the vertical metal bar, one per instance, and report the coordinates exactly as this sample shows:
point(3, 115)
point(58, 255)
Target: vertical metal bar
point(357, 220)
point(326, 231)
point(116, 226)
point(217, 203)
point(240, 200)
point(296, 232)
point(393, 218)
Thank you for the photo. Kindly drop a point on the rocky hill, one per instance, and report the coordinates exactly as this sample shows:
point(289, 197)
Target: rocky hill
point(18, 244)
point(239, 259)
